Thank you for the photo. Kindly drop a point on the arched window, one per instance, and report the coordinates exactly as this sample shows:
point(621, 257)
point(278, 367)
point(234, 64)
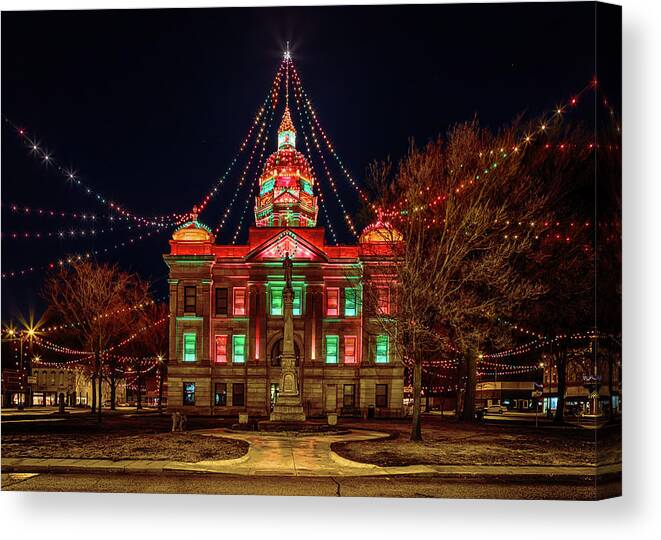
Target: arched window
point(276, 353)
point(52, 377)
point(61, 378)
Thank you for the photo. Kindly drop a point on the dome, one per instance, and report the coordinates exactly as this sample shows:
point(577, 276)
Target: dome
point(193, 231)
point(380, 232)
point(286, 162)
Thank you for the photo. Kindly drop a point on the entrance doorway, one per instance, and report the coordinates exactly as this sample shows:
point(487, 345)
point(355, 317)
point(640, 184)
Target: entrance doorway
point(276, 353)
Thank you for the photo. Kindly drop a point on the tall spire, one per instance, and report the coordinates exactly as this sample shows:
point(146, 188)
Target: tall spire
point(287, 59)
point(286, 131)
point(286, 124)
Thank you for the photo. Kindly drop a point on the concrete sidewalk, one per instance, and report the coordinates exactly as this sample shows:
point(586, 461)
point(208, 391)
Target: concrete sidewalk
point(289, 455)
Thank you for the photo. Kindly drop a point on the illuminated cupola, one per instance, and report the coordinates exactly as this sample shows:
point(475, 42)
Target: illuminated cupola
point(192, 237)
point(286, 197)
point(380, 232)
point(286, 132)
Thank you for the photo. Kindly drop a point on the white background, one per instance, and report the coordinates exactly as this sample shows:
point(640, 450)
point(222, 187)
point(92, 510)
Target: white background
point(637, 514)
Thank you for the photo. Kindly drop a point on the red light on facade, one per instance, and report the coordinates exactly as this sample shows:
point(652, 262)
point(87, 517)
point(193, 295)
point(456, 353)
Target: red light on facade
point(239, 295)
point(332, 302)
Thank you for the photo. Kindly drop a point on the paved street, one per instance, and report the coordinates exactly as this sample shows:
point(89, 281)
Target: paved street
point(389, 486)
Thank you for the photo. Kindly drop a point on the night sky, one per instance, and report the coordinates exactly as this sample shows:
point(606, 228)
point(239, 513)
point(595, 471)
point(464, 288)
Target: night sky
point(150, 106)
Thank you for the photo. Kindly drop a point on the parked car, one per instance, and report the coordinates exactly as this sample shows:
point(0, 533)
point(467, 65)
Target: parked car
point(495, 409)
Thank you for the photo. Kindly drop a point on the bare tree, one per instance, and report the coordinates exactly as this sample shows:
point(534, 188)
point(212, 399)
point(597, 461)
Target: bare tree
point(470, 213)
point(150, 345)
point(96, 301)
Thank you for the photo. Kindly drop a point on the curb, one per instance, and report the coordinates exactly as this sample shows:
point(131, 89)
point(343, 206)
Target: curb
point(370, 470)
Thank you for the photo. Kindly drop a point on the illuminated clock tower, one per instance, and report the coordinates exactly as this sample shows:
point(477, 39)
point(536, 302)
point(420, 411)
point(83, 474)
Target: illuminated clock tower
point(286, 197)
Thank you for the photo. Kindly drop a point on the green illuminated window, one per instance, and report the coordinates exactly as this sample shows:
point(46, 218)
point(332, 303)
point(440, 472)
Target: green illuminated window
point(298, 295)
point(190, 342)
point(350, 302)
point(239, 348)
point(332, 343)
point(306, 186)
point(381, 349)
point(286, 138)
point(267, 186)
point(276, 301)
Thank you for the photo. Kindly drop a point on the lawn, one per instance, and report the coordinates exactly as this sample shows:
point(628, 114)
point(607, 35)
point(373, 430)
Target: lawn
point(447, 442)
point(117, 437)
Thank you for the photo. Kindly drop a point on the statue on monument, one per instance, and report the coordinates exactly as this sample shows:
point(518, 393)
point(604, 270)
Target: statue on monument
point(289, 267)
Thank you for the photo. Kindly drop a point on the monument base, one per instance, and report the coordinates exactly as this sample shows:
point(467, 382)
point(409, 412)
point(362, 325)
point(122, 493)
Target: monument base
point(288, 408)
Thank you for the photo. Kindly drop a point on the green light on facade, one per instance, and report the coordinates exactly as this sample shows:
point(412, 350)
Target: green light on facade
point(190, 346)
point(191, 262)
point(286, 138)
point(298, 296)
point(277, 304)
point(382, 346)
point(306, 187)
point(276, 301)
point(239, 348)
point(332, 343)
point(351, 295)
point(267, 186)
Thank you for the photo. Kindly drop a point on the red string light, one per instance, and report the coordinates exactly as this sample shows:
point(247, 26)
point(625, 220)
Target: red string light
point(71, 176)
point(298, 93)
point(80, 256)
point(273, 98)
point(261, 133)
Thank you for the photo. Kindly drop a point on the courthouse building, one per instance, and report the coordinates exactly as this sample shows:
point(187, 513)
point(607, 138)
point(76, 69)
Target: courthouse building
point(226, 324)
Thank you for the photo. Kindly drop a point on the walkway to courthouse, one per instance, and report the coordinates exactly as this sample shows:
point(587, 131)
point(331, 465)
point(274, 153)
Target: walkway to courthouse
point(281, 454)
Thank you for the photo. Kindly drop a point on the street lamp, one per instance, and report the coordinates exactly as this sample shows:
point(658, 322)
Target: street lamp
point(21, 336)
point(27, 334)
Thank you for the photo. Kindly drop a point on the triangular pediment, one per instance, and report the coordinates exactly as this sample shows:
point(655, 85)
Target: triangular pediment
point(286, 197)
point(283, 242)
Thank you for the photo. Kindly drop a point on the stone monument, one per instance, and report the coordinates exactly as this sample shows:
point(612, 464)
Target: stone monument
point(288, 407)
